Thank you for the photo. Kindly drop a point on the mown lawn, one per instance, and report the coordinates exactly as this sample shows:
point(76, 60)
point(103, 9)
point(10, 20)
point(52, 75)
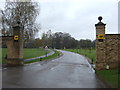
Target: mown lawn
point(27, 53)
point(90, 53)
point(33, 52)
point(45, 58)
point(109, 76)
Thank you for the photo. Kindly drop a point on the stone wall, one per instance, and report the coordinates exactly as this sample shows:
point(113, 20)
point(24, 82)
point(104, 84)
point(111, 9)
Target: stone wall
point(112, 50)
point(108, 52)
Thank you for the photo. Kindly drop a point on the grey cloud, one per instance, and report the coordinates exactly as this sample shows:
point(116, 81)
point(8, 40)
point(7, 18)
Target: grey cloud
point(78, 18)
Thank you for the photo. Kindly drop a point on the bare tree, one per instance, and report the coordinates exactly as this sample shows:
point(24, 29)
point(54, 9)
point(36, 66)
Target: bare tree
point(25, 13)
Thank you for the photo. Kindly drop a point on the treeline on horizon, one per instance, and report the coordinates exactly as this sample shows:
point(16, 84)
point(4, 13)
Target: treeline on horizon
point(59, 40)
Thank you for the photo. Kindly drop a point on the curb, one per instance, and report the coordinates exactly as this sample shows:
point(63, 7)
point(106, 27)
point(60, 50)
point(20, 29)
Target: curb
point(47, 60)
point(61, 54)
point(31, 59)
point(98, 76)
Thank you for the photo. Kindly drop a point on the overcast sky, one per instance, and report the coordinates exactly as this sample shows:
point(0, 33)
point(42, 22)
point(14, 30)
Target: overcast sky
point(77, 17)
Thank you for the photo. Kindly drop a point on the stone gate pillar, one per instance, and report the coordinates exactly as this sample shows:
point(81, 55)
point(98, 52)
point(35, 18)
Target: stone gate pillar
point(15, 48)
point(100, 45)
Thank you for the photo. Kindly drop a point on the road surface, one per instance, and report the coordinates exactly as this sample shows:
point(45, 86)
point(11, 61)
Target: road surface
point(69, 71)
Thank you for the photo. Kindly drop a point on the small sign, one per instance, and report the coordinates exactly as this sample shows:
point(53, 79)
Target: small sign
point(16, 38)
point(46, 47)
point(101, 36)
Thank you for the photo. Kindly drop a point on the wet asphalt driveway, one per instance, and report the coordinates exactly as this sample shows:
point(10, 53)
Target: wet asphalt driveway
point(69, 71)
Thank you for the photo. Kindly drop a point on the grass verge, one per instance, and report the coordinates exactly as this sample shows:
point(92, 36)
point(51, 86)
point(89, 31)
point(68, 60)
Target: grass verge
point(90, 53)
point(27, 53)
point(33, 52)
point(45, 58)
point(111, 77)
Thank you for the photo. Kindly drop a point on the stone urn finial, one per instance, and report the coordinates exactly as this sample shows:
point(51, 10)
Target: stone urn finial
point(100, 22)
point(100, 18)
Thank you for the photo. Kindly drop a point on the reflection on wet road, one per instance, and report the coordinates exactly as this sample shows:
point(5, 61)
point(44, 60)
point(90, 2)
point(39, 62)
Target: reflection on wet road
point(69, 71)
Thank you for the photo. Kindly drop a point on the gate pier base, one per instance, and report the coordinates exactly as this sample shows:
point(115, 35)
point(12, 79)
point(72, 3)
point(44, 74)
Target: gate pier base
point(15, 62)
